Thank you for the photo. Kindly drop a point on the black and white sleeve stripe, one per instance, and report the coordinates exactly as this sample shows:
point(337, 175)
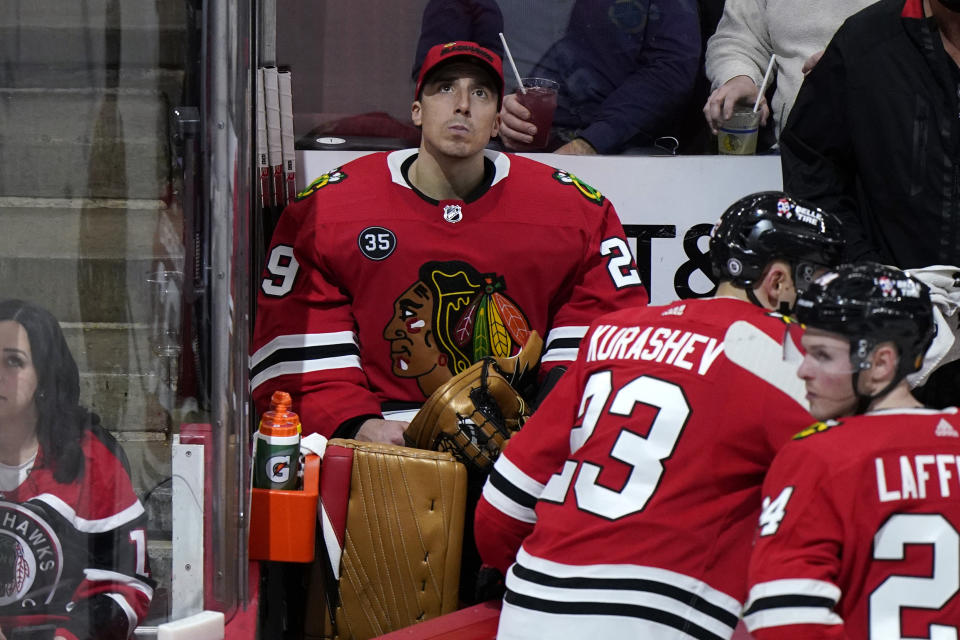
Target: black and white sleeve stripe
point(511, 491)
point(615, 600)
point(791, 601)
point(562, 344)
point(303, 353)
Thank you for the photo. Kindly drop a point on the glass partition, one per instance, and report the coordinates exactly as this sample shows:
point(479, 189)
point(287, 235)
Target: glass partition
point(125, 153)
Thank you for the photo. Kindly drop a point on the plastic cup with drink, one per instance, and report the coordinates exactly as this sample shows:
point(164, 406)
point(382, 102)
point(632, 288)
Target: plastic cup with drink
point(738, 135)
point(539, 96)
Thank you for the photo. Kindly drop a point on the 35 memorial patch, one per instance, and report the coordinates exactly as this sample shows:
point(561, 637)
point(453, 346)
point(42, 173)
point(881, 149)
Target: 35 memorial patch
point(331, 177)
point(588, 192)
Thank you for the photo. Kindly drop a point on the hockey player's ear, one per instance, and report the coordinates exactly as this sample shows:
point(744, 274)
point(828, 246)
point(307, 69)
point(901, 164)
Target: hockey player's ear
point(496, 127)
point(416, 113)
point(883, 365)
point(777, 285)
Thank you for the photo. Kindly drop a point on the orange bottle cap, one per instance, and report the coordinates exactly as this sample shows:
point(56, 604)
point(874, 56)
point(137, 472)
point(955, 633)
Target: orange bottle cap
point(279, 424)
point(280, 401)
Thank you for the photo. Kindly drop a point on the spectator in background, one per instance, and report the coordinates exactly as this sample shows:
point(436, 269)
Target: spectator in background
point(73, 556)
point(626, 70)
point(478, 21)
point(749, 32)
point(874, 136)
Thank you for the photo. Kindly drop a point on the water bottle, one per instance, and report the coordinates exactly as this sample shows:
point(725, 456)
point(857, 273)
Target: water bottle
point(277, 446)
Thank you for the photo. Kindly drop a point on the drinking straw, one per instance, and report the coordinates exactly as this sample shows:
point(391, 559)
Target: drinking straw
point(763, 83)
point(513, 64)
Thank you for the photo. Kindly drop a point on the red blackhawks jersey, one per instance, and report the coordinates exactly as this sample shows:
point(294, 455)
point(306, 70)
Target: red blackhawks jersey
point(860, 532)
point(73, 557)
point(373, 294)
point(635, 487)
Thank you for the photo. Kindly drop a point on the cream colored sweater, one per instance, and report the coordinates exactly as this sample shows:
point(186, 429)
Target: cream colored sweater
point(751, 30)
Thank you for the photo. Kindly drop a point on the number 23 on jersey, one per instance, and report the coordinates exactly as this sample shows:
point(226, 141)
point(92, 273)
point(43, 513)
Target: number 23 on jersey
point(643, 454)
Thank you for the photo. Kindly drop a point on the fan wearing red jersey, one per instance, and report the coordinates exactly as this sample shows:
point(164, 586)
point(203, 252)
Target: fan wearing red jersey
point(860, 531)
point(73, 556)
point(624, 507)
point(397, 271)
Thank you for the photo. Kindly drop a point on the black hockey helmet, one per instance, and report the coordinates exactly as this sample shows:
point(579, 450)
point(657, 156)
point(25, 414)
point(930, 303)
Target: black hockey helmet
point(768, 225)
point(871, 303)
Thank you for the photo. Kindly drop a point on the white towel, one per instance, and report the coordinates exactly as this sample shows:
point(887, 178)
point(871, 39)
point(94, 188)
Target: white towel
point(944, 283)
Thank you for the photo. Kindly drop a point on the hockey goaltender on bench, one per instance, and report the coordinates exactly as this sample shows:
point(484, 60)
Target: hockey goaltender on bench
point(352, 316)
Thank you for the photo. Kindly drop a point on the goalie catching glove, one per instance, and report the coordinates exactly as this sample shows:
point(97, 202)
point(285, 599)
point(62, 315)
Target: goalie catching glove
point(474, 413)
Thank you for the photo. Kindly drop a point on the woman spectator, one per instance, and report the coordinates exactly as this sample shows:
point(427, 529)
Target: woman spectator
point(73, 561)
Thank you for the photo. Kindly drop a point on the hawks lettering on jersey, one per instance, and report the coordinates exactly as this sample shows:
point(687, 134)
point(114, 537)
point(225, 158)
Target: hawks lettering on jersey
point(663, 455)
point(373, 294)
point(861, 536)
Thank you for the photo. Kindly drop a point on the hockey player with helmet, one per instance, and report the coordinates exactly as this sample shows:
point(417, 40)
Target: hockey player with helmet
point(860, 531)
point(625, 506)
point(73, 556)
point(395, 272)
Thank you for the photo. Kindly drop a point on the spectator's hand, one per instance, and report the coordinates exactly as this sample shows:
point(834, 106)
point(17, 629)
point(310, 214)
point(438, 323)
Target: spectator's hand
point(515, 126)
point(380, 430)
point(577, 147)
point(811, 62)
point(722, 102)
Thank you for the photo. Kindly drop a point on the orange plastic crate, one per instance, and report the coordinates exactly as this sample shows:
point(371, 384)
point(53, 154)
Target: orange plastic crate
point(283, 523)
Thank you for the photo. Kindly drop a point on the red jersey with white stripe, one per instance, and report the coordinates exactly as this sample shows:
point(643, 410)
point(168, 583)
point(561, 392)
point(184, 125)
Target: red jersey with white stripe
point(860, 531)
point(635, 487)
point(74, 556)
point(374, 294)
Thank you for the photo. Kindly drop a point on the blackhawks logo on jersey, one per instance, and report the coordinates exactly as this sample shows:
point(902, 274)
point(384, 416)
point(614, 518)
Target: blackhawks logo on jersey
point(588, 192)
point(817, 427)
point(451, 317)
point(31, 558)
point(331, 177)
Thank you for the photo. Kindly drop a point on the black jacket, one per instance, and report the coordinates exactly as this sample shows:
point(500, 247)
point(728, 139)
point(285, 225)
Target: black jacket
point(874, 137)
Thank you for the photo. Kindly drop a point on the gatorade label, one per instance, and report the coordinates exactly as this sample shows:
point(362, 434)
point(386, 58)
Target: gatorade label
point(275, 462)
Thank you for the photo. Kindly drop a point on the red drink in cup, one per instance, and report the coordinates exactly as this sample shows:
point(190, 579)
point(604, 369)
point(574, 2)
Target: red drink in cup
point(541, 100)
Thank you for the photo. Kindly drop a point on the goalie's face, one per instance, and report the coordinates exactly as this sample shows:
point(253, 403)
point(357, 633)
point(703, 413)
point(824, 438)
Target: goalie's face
point(413, 347)
point(457, 111)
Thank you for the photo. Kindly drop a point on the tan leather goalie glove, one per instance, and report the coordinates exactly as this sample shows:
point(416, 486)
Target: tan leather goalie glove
point(474, 413)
